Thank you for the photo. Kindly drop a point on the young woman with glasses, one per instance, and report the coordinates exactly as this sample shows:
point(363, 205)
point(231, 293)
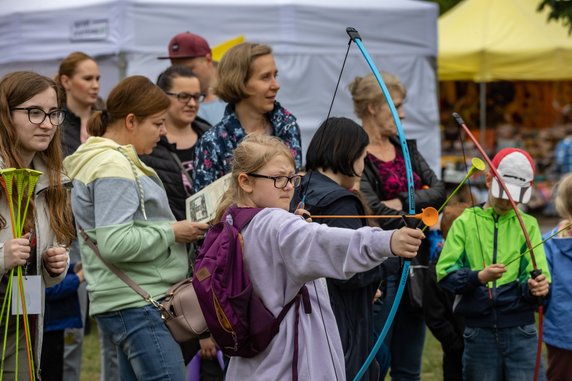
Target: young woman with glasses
point(285, 255)
point(247, 81)
point(30, 116)
point(173, 157)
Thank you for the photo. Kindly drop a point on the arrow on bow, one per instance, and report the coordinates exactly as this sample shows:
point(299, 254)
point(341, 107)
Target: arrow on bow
point(429, 216)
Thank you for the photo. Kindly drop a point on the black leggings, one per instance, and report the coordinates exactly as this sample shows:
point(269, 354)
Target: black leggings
point(52, 363)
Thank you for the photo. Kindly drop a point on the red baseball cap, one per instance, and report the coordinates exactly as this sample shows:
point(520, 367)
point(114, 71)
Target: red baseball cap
point(187, 45)
point(516, 168)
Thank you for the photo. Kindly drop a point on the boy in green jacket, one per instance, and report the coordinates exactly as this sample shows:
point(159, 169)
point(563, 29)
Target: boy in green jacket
point(497, 301)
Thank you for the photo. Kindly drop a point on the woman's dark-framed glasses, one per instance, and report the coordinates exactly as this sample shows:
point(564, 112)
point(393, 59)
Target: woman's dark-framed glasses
point(280, 182)
point(186, 97)
point(37, 116)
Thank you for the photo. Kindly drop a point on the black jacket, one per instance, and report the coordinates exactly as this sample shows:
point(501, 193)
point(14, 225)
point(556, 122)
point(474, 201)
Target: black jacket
point(70, 133)
point(169, 170)
point(438, 311)
point(351, 299)
point(71, 129)
point(371, 188)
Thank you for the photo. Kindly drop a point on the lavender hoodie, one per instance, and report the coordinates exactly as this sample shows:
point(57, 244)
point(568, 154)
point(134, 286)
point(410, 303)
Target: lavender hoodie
point(282, 253)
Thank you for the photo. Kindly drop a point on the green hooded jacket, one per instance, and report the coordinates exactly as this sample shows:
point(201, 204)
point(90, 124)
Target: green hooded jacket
point(122, 205)
point(478, 238)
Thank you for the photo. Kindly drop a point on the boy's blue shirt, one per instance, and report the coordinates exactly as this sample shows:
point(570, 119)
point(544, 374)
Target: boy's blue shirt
point(479, 238)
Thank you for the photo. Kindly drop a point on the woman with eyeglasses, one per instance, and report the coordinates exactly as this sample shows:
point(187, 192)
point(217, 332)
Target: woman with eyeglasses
point(247, 81)
point(79, 76)
point(173, 157)
point(30, 113)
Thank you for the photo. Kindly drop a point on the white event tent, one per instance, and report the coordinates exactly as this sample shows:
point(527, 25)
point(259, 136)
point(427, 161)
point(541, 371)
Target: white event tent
point(308, 38)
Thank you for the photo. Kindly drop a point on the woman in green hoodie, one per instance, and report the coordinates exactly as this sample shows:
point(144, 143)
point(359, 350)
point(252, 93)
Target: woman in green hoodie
point(122, 205)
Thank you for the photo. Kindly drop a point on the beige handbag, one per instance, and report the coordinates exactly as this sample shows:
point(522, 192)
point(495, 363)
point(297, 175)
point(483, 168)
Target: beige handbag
point(182, 313)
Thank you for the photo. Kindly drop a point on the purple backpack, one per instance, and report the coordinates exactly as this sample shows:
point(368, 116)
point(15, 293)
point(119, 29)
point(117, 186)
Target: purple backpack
point(236, 317)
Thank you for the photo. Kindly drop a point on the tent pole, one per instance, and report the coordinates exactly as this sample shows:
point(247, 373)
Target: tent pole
point(483, 111)
point(122, 64)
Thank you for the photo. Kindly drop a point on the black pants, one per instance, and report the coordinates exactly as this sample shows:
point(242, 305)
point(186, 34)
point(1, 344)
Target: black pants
point(52, 362)
point(211, 371)
point(453, 365)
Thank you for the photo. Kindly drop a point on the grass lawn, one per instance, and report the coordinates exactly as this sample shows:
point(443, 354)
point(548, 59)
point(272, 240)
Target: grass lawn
point(90, 362)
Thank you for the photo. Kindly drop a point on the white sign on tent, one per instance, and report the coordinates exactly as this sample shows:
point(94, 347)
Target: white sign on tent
point(89, 30)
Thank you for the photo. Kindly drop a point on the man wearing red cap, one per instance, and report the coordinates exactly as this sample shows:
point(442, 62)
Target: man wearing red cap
point(194, 52)
point(496, 295)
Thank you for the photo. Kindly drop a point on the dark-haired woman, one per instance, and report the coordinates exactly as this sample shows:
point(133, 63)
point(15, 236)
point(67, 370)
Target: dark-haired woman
point(248, 82)
point(173, 156)
point(122, 205)
point(334, 164)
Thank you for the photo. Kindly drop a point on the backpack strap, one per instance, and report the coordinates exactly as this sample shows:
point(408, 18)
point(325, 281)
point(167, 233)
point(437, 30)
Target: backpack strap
point(302, 297)
point(242, 216)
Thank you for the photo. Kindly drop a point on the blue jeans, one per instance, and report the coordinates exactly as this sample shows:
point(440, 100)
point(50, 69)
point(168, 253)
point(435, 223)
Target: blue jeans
point(146, 349)
point(500, 354)
point(109, 358)
point(402, 349)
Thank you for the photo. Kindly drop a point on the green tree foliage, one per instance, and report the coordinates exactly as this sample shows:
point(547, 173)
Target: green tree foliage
point(445, 5)
point(558, 10)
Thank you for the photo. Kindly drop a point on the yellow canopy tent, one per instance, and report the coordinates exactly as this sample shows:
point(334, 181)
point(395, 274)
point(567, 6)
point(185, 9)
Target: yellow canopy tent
point(490, 40)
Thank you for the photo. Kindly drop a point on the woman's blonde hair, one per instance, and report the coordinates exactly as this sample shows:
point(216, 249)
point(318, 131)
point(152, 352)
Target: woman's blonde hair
point(235, 69)
point(15, 89)
point(253, 153)
point(135, 95)
point(366, 91)
point(563, 201)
